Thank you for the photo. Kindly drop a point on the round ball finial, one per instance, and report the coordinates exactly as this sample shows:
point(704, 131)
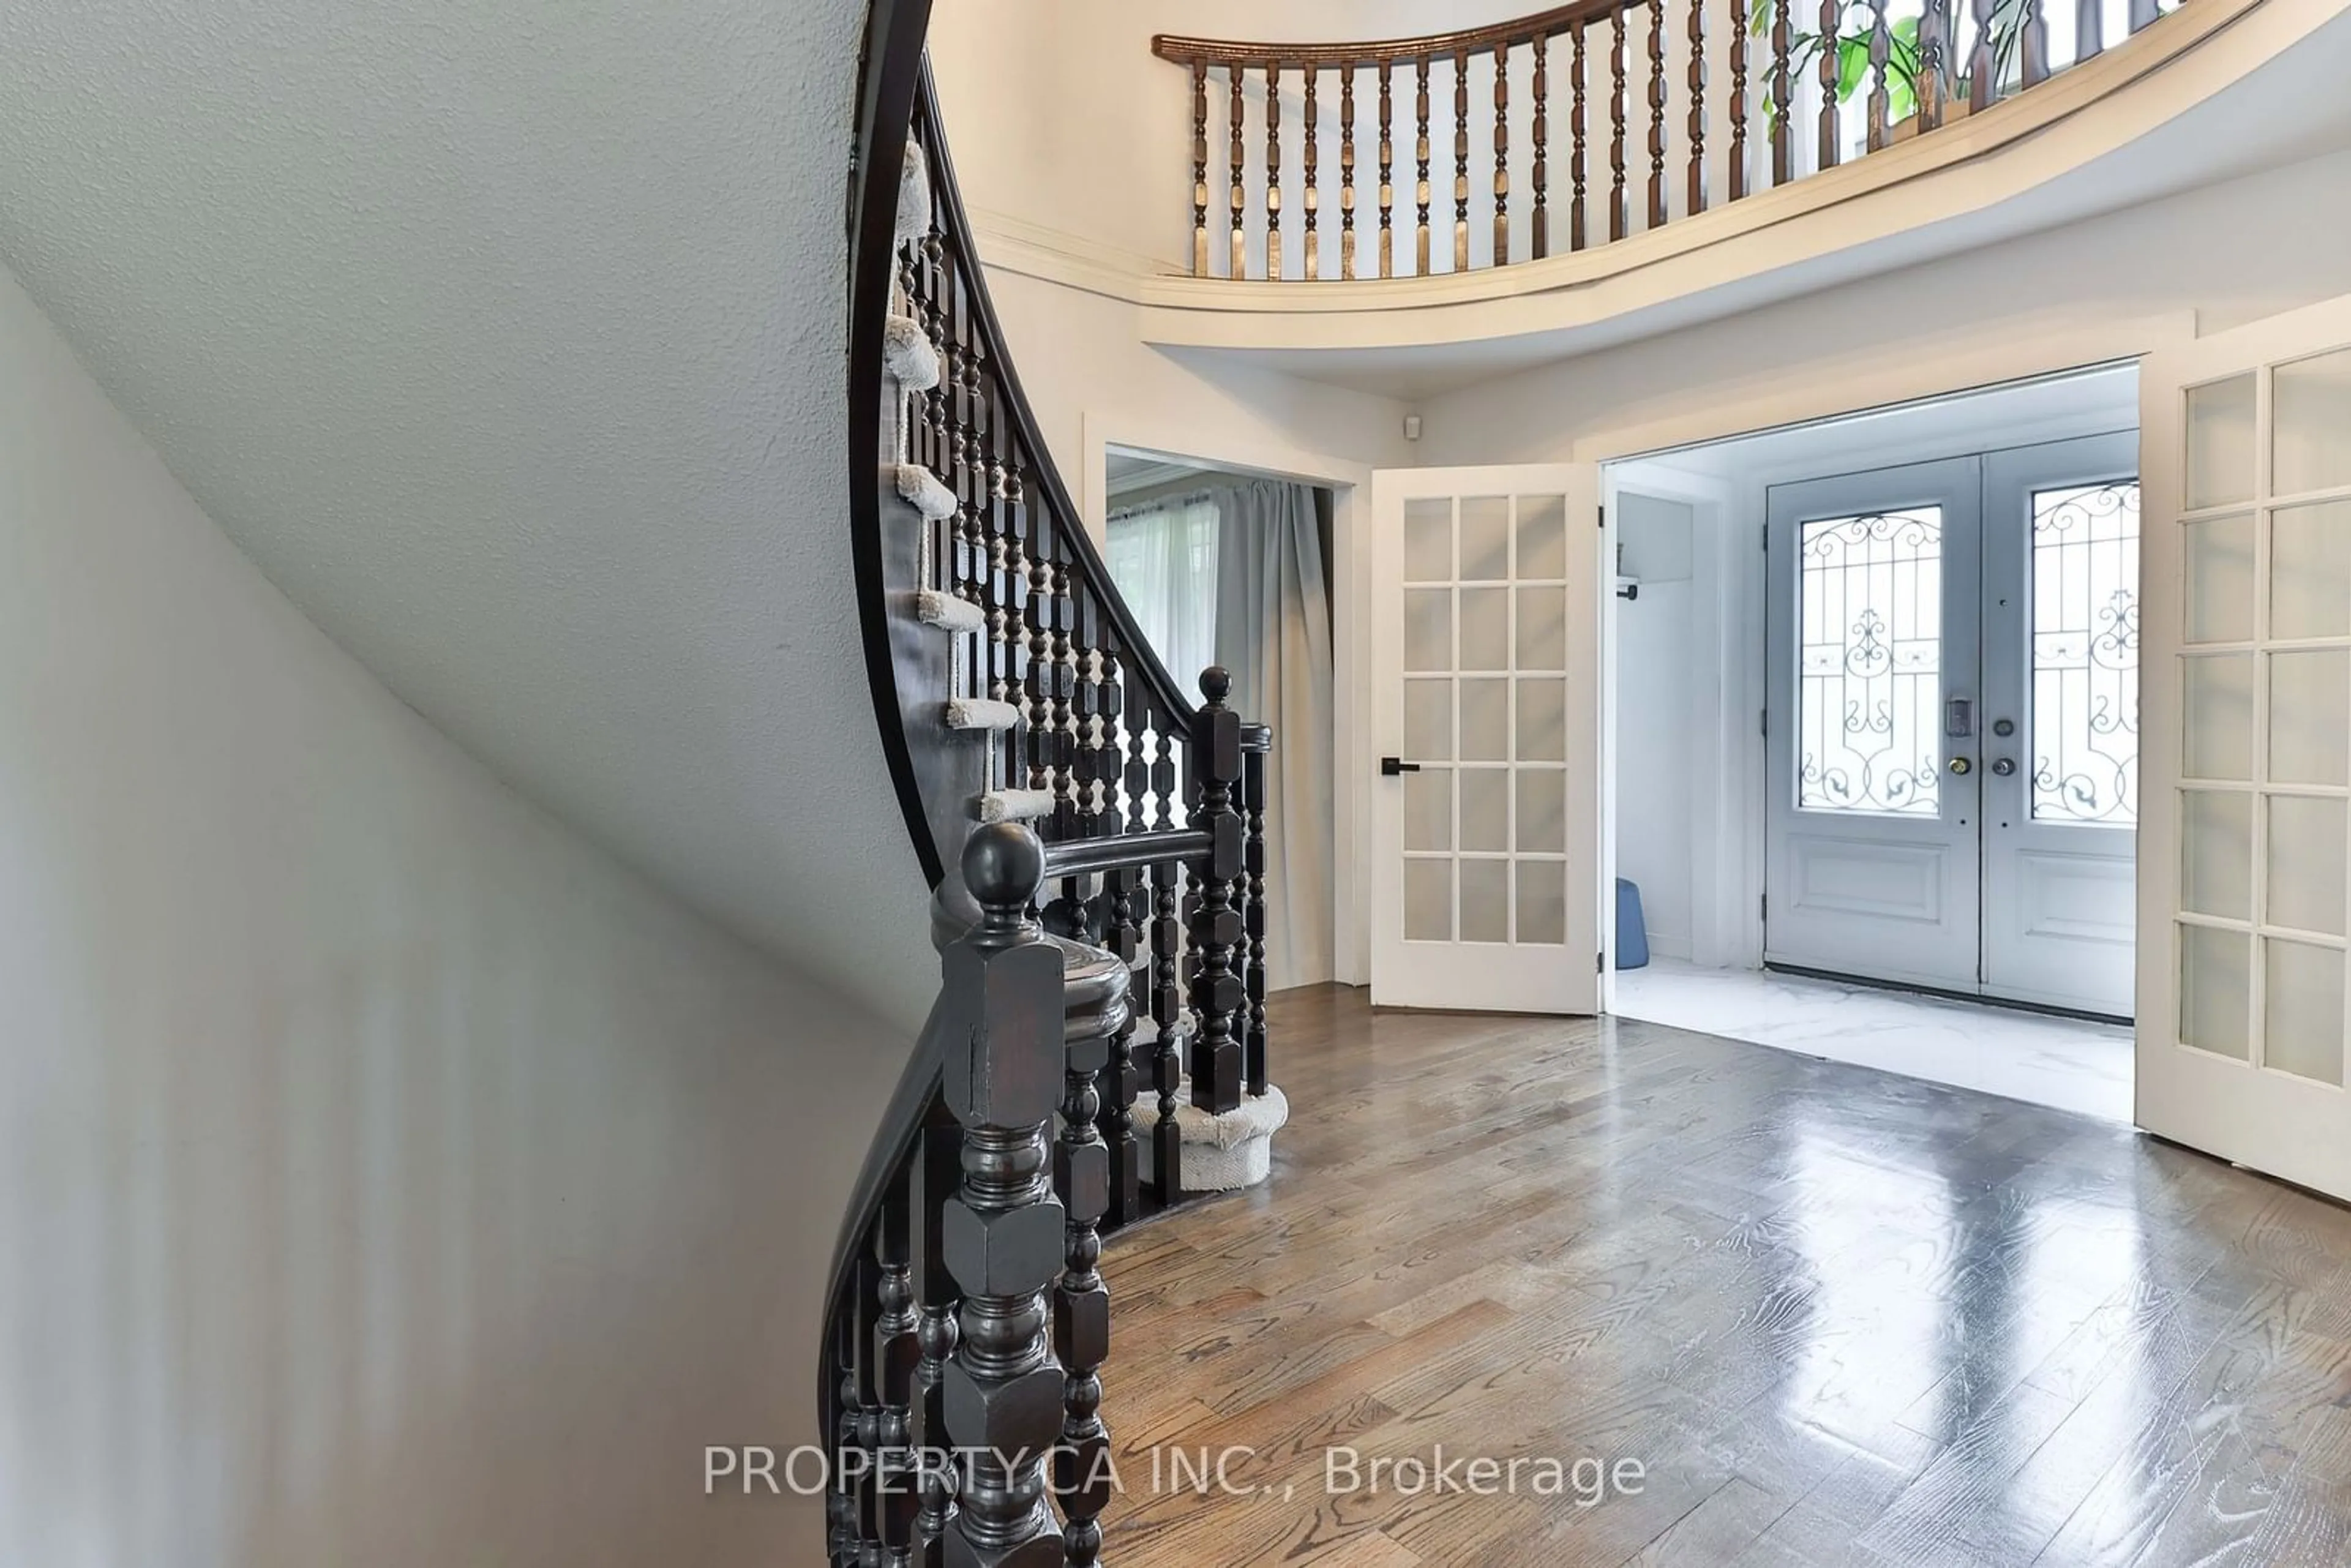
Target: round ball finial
point(1003, 863)
point(1216, 683)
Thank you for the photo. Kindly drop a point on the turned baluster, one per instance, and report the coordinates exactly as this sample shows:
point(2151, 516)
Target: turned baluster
point(1739, 28)
point(1880, 93)
point(896, 1351)
point(1036, 687)
point(1619, 214)
point(1830, 69)
point(1257, 740)
point(1004, 1231)
point(2089, 29)
point(1420, 67)
point(1540, 171)
point(1062, 734)
point(1935, 62)
point(1216, 925)
point(1656, 113)
point(1461, 161)
point(1081, 1478)
point(1387, 171)
point(1273, 261)
point(1983, 71)
point(2142, 13)
point(1237, 158)
point(1783, 87)
point(1502, 154)
point(2032, 46)
point(1347, 173)
point(932, 1180)
point(1576, 228)
point(1167, 994)
point(1199, 169)
point(1697, 107)
point(1311, 197)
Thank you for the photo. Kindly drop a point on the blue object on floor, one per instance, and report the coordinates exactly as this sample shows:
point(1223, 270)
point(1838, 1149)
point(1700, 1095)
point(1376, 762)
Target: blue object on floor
point(1632, 932)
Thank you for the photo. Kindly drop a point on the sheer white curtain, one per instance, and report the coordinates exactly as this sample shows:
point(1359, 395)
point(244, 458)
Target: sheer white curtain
point(1163, 556)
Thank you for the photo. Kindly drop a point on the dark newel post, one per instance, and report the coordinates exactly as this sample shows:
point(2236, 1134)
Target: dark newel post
point(1217, 922)
point(1257, 743)
point(1003, 1230)
point(1097, 1018)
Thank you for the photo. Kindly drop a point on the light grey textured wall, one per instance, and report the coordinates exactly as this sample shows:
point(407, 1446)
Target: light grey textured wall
point(386, 1176)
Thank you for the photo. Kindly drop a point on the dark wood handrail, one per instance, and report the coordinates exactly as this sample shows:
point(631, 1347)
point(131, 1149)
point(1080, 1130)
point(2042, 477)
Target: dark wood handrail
point(1510, 35)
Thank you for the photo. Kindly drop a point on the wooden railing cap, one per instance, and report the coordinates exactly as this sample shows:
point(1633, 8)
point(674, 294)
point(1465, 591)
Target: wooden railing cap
point(1184, 51)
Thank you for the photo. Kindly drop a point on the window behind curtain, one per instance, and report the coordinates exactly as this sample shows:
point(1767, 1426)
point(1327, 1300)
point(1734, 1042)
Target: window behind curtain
point(1163, 556)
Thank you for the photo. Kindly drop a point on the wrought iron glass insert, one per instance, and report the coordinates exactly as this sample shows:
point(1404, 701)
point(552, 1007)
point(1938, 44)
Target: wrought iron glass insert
point(2085, 654)
point(1871, 671)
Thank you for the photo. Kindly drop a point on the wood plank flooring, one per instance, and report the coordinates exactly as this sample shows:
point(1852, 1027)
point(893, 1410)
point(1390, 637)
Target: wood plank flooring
point(1838, 1317)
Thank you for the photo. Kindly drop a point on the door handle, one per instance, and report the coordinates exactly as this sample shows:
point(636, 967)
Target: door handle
point(2003, 766)
point(1961, 764)
point(1391, 766)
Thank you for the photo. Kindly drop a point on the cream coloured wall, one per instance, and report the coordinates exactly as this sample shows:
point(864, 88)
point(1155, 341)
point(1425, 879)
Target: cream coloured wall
point(2108, 288)
point(386, 1176)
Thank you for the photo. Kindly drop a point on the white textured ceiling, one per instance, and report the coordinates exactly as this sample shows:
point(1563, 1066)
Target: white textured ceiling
point(507, 337)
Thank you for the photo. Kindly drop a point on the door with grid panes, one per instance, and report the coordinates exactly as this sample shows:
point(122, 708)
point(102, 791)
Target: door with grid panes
point(1485, 616)
point(2247, 707)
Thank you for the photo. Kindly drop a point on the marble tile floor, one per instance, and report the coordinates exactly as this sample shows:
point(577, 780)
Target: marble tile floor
point(2067, 1063)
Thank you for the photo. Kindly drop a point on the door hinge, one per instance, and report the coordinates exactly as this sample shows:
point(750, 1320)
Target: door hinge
point(1599, 963)
point(1604, 517)
point(1763, 906)
point(1763, 539)
point(1763, 723)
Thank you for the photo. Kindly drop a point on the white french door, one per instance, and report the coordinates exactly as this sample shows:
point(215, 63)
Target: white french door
point(1485, 616)
point(2242, 908)
point(1953, 731)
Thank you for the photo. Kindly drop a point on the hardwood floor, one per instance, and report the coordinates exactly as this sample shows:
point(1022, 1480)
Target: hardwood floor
point(1836, 1316)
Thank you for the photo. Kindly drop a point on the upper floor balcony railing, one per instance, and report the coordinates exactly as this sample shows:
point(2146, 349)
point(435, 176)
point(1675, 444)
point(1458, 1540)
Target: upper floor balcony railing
point(1670, 107)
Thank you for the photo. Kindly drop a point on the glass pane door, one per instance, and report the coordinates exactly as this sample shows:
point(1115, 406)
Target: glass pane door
point(1486, 815)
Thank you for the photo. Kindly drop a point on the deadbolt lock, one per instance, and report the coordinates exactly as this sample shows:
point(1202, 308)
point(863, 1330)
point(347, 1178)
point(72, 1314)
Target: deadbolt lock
point(1961, 764)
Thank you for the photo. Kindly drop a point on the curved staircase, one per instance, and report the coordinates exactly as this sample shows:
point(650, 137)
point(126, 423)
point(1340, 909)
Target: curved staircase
point(1095, 842)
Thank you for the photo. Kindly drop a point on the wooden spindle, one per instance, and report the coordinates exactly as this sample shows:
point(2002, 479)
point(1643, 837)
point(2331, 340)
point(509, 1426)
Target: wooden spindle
point(1983, 72)
point(1575, 221)
point(1420, 107)
point(1273, 261)
point(1540, 170)
point(1461, 160)
point(1387, 171)
point(932, 1179)
point(1935, 62)
point(896, 1354)
point(1656, 113)
point(1216, 924)
point(1236, 159)
point(1118, 1082)
point(1619, 218)
point(1502, 154)
point(1082, 1482)
point(1697, 108)
point(2033, 47)
point(1783, 87)
point(2142, 13)
point(1881, 41)
point(1737, 105)
point(1167, 994)
point(1256, 741)
point(1199, 169)
point(1347, 173)
point(1832, 66)
point(1311, 197)
point(2089, 29)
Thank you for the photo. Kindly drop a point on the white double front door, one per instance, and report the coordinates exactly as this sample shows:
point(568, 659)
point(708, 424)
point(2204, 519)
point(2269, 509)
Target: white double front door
point(1952, 726)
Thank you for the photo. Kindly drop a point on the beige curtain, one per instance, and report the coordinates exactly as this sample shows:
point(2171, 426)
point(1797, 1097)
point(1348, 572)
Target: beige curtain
point(1273, 632)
